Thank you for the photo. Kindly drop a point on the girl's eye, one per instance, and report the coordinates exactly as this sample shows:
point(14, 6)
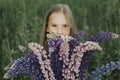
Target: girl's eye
point(65, 26)
point(54, 25)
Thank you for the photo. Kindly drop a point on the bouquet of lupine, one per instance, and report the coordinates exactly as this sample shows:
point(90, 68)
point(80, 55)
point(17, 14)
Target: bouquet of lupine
point(67, 58)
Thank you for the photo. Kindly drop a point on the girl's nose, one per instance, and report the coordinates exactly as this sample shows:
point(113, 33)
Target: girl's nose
point(60, 31)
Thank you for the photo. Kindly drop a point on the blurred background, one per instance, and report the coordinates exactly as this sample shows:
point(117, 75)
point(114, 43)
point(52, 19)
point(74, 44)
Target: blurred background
point(21, 22)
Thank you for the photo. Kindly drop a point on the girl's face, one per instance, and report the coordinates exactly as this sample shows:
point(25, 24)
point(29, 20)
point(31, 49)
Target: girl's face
point(58, 24)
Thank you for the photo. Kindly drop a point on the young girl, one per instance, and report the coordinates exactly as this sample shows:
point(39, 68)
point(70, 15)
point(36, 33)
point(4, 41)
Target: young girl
point(58, 20)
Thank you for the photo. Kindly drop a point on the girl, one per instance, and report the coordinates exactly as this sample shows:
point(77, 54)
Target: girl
point(58, 20)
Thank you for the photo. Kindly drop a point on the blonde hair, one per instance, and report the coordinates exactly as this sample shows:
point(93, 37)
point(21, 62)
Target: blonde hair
point(64, 8)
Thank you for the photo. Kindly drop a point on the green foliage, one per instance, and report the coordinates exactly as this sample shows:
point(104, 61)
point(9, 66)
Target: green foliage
point(21, 22)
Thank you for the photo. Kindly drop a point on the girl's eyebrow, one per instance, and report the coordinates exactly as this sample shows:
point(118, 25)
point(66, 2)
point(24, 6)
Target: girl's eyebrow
point(56, 23)
point(52, 24)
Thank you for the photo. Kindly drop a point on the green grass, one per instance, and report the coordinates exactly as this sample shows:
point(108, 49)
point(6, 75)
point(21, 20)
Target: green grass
point(21, 22)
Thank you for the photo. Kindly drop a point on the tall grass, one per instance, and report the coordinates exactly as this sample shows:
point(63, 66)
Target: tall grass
point(21, 22)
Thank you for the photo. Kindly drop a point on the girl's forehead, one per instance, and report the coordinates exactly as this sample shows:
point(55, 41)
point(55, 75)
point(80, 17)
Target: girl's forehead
point(59, 16)
point(55, 14)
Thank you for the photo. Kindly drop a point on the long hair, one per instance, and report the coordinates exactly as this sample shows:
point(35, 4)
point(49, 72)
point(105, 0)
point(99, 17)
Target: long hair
point(64, 8)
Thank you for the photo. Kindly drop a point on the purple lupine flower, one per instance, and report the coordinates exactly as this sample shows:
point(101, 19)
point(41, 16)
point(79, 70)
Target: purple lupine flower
point(79, 35)
point(25, 65)
point(79, 51)
point(43, 60)
point(71, 66)
point(103, 70)
point(54, 43)
point(100, 37)
point(64, 53)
